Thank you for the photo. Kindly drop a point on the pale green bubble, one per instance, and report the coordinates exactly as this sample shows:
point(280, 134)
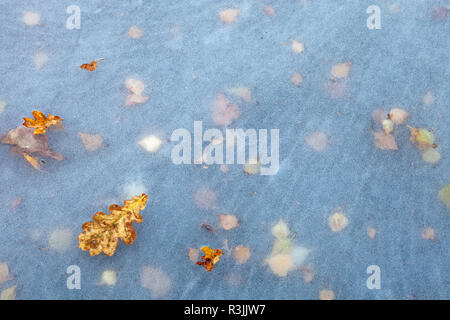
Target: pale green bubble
point(444, 195)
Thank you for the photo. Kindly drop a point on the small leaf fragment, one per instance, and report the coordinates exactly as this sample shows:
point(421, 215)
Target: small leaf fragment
point(33, 161)
point(41, 122)
point(341, 70)
point(91, 66)
point(210, 258)
point(193, 254)
point(398, 115)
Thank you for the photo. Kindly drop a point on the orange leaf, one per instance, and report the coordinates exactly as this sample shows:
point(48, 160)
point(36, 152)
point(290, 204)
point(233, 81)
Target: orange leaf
point(41, 122)
point(91, 66)
point(102, 234)
point(210, 258)
point(33, 161)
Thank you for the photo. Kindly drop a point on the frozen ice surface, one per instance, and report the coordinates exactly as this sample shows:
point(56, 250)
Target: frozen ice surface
point(186, 57)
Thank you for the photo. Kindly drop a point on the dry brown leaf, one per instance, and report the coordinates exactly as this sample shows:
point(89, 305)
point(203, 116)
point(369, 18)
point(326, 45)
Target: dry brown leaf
point(398, 115)
point(384, 141)
point(25, 141)
point(103, 234)
point(228, 221)
point(135, 32)
point(91, 66)
point(41, 122)
point(91, 142)
point(297, 79)
point(241, 254)
point(210, 258)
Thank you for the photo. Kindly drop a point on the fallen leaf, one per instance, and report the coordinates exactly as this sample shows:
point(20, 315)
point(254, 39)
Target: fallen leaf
point(157, 281)
point(341, 70)
point(430, 155)
point(297, 47)
point(229, 16)
point(135, 99)
point(9, 294)
point(109, 278)
point(103, 234)
point(25, 141)
point(210, 258)
point(388, 126)
point(60, 240)
point(33, 161)
point(4, 272)
point(326, 294)
point(135, 32)
point(337, 221)
point(280, 264)
point(317, 140)
point(241, 254)
point(150, 143)
point(205, 198)
point(31, 18)
point(253, 166)
point(224, 112)
point(398, 115)
point(241, 92)
point(194, 254)
point(135, 86)
point(428, 234)
point(269, 11)
point(281, 230)
point(41, 122)
point(422, 138)
point(228, 221)
point(444, 195)
point(91, 66)
point(296, 79)
point(91, 142)
point(384, 141)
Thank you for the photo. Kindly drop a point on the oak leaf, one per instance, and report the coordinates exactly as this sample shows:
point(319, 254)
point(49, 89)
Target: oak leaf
point(210, 258)
point(41, 122)
point(91, 66)
point(102, 234)
point(26, 143)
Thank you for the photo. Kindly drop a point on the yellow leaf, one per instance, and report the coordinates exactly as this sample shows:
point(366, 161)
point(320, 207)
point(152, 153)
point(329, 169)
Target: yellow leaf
point(103, 234)
point(33, 161)
point(210, 258)
point(41, 122)
point(422, 138)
